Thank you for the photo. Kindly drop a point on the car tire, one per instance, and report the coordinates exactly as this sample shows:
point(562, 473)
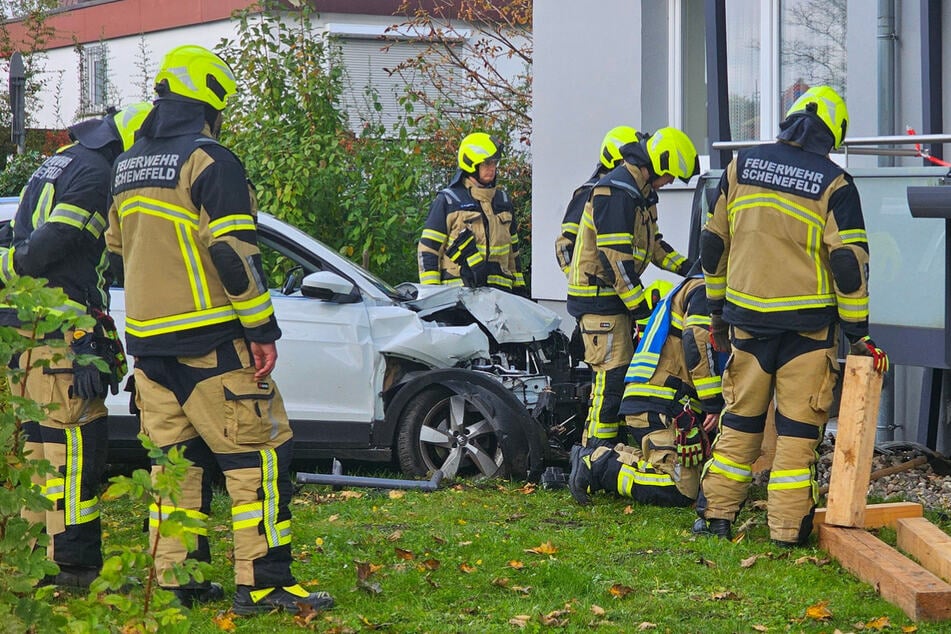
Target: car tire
point(450, 431)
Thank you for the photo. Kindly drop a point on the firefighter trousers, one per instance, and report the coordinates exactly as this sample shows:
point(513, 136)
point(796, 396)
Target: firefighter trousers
point(802, 368)
point(73, 437)
point(608, 348)
point(647, 468)
point(215, 409)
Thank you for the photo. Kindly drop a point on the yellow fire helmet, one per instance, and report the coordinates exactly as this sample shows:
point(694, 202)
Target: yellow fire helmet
point(195, 72)
point(826, 104)
point(672, 152)
point(611, 145)
point(129, 120)
point(477, 148)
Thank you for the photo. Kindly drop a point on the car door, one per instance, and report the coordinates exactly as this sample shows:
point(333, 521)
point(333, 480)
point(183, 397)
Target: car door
point(327, 366)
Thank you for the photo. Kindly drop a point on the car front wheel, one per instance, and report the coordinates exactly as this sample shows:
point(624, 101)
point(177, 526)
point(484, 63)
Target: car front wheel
point(452, 432)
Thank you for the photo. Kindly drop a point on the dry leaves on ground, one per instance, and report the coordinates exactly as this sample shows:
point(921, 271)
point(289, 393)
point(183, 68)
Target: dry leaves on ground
point(543, 549)
point(819, 612)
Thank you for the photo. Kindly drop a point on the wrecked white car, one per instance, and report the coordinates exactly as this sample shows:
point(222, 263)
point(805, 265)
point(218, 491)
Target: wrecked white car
point(469, 381)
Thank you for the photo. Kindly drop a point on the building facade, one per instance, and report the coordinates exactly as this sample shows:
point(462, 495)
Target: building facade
point(698, 64)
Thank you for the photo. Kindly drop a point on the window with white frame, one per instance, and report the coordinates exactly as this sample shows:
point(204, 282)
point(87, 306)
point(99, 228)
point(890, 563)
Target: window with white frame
point(95, 79)
point(371, 92)
point(776, 50)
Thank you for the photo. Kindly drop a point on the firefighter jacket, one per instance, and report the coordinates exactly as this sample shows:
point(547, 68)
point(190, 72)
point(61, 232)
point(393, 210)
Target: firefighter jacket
point(59, 225)
point(675, 363)
point(617, 239)
point(785, 248)
point(565, 242)
point(470, 238)
point(183, 219)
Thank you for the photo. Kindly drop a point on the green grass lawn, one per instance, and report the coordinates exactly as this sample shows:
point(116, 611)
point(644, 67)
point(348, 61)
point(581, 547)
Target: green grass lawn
point(502, 557)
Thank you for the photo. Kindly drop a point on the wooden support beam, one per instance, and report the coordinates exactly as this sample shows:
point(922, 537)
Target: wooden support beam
point(919, 593)
point(878, 515)
point(927, 543)
point(854, 442)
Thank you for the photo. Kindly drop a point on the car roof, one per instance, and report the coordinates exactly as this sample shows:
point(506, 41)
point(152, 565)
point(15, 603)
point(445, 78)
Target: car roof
point(8, 207)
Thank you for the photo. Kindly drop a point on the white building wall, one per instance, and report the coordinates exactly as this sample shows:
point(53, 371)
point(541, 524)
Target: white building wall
point(592, 65)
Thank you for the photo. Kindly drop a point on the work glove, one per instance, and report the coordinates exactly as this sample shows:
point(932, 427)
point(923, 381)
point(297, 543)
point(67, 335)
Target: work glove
point(111, 350)
point(720, 333)
point(465, 252)
point(689, 441)
point(865, 347)
point(87, 379)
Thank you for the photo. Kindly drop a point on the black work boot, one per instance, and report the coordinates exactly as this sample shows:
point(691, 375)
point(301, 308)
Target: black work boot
point(204, 593)
point(248, 600)
point(718, 528)
point(71, 577)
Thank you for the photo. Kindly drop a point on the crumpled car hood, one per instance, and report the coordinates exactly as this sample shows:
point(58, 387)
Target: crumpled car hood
point(508, 318)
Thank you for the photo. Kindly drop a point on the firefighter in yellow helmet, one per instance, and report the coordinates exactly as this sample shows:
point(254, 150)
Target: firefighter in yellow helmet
point(469, 237)
point(201, 327)
point(785, 258)
point(610, 158)
point(672, 401)
point(58, 235)
point(617, 239)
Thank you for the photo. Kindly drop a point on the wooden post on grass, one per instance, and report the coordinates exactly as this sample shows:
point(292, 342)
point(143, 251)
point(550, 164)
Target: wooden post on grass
point(854, 443)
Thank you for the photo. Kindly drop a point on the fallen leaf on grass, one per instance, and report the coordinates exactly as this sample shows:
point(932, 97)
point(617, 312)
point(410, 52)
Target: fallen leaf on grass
point(749, 561)
point(520, 620)
point(516, 564)
point(305, 615)
point(880, 623)
point(521, 589)
point(428, 564)
point(811, 559)
point(224, 621)
point(351, 495)
point(556, 618)
point(466, 568)
point(528, 489)
point(394, 536)
point(819, 611)
point(760, 628)
point(404, 554)
point(620, 591)
point(502, 582)
point(645, 625)
point(543, 549)
point(628, 509)
point(724, 595)
point(373, 626)
point(333, 518)
point(597, 610)
point(909, 629)
point(438, 539)
point(396, 494)
point(364, 571)
point(706, 562)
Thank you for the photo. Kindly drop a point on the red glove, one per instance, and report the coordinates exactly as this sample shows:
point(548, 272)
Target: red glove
point(720, 333)
point(865, 347)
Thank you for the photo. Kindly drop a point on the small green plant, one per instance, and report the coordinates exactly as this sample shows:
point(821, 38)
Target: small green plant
point(23, 561)
point(17, 172)
point(126, 596)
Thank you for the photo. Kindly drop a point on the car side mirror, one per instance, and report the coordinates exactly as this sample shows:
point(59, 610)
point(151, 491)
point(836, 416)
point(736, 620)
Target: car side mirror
point(329, 287)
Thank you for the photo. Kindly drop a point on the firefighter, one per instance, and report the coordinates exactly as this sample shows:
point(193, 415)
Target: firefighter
point(58, 235)
point(201, 328)
point(609, 159)
point(618, 238)
point(470, 235)
point(672, 401)
point(785, 259)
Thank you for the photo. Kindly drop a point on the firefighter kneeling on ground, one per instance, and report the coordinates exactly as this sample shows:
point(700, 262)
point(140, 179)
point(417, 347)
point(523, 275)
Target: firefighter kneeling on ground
point(671, 405)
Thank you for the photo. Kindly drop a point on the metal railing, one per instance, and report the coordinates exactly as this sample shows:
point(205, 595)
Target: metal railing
point(859, 145)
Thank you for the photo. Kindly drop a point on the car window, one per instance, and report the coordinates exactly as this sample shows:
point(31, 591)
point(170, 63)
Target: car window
point(284, 269)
